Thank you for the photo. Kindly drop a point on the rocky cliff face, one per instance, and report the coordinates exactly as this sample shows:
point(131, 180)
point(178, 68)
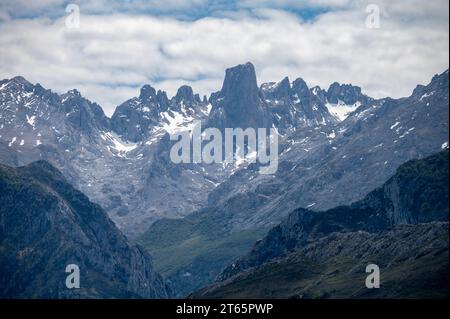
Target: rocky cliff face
point(323, 167)
point(346, 93)
point(417, 193)
point(239, 104)
point(294, 105)
point(140, 117)
point(45, 225)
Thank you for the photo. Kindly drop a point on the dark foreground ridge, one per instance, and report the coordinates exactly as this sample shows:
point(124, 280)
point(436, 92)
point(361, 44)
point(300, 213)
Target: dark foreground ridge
point(45, 225)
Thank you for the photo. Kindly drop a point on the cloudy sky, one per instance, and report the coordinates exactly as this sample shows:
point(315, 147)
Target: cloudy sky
point(120, 45)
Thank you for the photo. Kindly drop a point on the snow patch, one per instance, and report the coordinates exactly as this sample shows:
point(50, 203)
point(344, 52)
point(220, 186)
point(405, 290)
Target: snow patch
point(341, 110)
point(176, 122)
point(208, 109)
point(118, 144)
point(394, 125)
point(426, 95)
point(12, 141)
point(332, 135)
point(31, 120)
point(407, 132)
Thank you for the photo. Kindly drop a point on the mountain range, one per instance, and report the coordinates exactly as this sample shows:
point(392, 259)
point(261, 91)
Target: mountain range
point(93, 150)
point(320, 167)
point(336, 146)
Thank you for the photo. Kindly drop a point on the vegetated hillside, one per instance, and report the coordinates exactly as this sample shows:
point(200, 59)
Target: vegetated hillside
point(45, 225)
point(413, 261)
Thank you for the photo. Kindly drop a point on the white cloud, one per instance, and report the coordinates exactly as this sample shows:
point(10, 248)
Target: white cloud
point(28, 8)
point(294, 3)
point(112, 55)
